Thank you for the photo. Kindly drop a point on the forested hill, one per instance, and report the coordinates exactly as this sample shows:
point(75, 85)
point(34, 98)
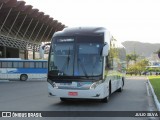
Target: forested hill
point(144, 49)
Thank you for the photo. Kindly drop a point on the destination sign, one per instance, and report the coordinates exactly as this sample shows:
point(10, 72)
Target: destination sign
point(65, 40)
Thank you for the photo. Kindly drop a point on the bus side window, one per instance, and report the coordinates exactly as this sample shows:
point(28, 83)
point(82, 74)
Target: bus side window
point(0, 65)
point(109, 62)
point(26, 64)
point(44, 64)
point(15, 64)
point(38, 64)
point(31, 64)
point(9, 65)
point(20, 65)
point(4, 64)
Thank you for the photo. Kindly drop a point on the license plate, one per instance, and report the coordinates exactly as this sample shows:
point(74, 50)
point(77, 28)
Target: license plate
point(73, 93)
point(65, 83)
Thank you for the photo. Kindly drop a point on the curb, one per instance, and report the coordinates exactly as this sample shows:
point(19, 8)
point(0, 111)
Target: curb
point(154, 95)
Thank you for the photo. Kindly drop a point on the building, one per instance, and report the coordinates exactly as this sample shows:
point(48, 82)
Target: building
point(23, 29)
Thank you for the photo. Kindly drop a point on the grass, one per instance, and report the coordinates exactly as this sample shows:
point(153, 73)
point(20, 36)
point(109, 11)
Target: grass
point(155, 81)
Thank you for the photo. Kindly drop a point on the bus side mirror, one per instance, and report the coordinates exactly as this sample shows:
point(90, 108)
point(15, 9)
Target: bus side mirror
point(105, 50)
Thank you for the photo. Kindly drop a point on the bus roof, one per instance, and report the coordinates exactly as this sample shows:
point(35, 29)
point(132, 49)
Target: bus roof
point(80, 31)
point(10, 59)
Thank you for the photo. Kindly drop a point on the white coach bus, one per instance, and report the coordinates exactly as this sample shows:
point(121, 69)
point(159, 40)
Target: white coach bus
point(85, 62)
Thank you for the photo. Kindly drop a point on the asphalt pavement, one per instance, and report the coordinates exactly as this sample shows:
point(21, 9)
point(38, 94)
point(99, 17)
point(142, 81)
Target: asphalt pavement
point(33, 96)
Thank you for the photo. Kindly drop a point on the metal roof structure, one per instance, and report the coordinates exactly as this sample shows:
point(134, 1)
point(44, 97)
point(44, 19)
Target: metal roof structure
point(23, 27)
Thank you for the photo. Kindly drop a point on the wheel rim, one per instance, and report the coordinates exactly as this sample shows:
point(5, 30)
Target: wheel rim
point(23, 77)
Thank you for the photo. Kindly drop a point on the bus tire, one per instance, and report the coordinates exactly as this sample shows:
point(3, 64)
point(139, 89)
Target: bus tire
point(105, 100)
point(23, 77)
point(121, 88)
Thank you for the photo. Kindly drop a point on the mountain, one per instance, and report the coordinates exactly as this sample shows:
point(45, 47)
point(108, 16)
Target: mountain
point(143, 49)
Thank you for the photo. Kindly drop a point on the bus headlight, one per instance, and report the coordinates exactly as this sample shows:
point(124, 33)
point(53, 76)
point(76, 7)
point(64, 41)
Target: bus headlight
point(54, 85)
point(95, 84)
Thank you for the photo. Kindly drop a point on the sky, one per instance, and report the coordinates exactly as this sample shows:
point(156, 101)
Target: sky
point(127, 20)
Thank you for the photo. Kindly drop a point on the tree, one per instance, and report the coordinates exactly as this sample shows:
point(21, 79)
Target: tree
point(134, 57)
point(128, 58)
point(138, 68)
point(142, 65)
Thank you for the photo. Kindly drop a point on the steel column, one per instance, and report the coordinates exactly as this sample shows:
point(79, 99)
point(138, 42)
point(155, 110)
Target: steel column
point(4, 52)
point(25, 54)
point(33, 51)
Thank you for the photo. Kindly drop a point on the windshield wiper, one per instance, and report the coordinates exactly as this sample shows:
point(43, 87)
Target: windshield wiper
point(67, 61)
point(83, 68)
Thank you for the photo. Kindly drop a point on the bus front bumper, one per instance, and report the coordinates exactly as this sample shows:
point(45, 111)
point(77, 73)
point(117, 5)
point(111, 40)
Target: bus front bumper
point(97, 93)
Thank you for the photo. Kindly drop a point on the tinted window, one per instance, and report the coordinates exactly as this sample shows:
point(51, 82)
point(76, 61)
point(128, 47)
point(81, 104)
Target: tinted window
point(31, 64)
point(45, 64)
point(4, 64)
point(26, 64)
point(15, 64)
point(20, 64)
point(38, 64)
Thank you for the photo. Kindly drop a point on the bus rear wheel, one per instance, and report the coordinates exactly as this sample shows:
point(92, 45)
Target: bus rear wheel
point(23, 77)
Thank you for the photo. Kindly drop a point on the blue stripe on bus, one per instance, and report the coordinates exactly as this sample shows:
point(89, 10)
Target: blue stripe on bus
point(24, 70)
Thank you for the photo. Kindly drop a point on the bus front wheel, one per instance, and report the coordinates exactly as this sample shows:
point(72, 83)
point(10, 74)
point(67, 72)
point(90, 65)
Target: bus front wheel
point(23, 77)
point(105, 100)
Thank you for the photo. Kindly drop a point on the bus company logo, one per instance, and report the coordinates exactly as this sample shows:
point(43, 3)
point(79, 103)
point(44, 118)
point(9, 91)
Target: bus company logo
point(6, 114)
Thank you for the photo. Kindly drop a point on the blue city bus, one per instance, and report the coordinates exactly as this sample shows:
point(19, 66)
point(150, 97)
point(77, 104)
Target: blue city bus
point(19, 69)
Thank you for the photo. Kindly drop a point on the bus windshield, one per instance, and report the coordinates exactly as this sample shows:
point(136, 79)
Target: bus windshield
point(75, 58)
point(61, 59)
